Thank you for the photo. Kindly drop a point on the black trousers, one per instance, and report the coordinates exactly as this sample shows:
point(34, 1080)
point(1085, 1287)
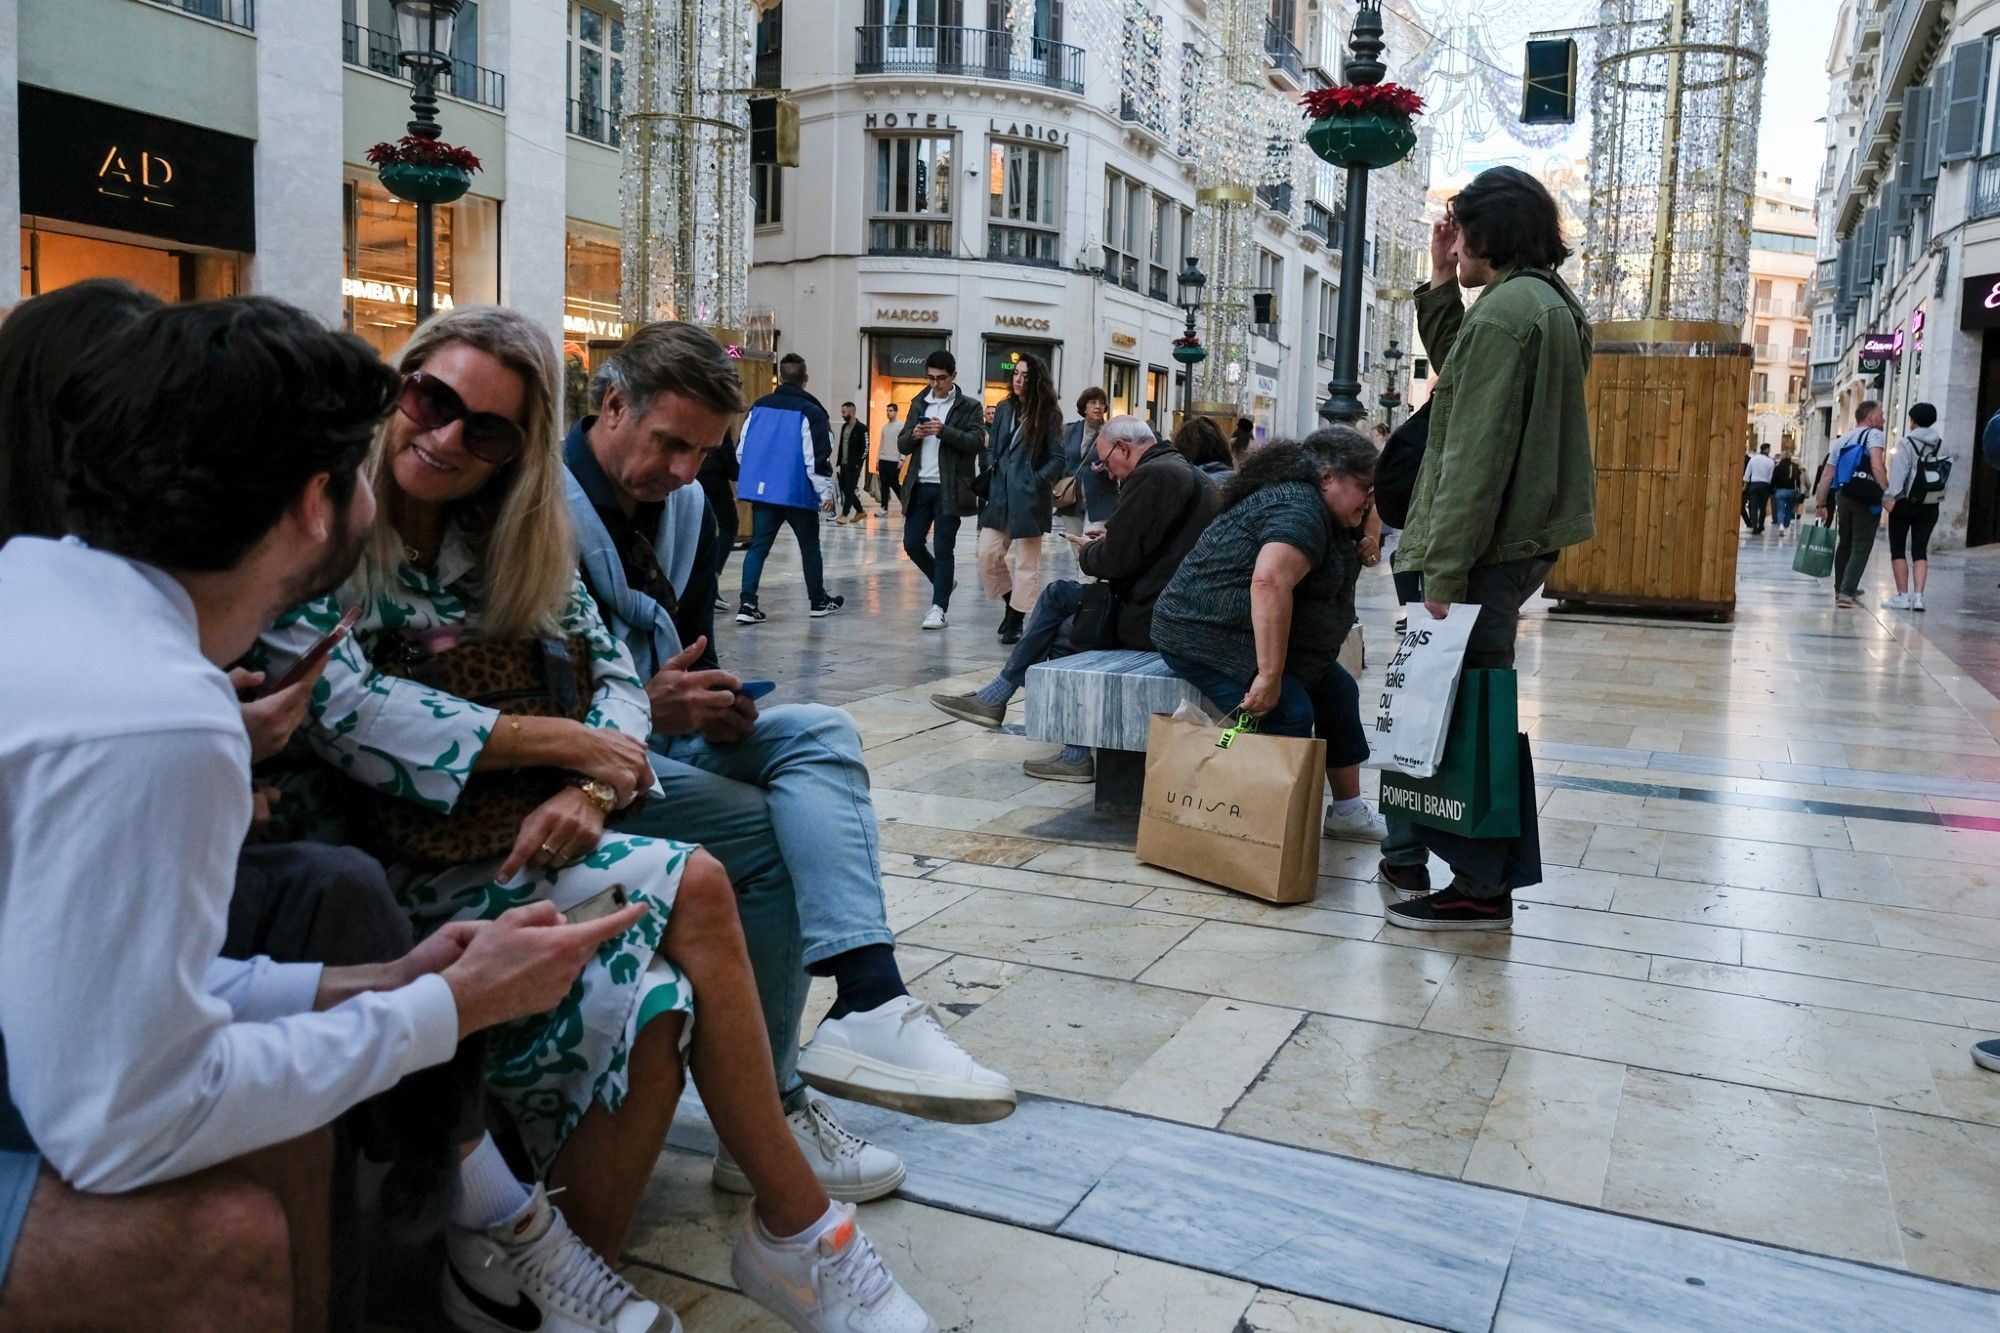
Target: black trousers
point(722, 503)
point(850, 496)
point(888, 476)
point(927, 514)
point(1756, 503)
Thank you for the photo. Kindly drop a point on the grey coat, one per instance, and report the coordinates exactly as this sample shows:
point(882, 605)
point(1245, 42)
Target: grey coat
point(1022, 501)
point(1100, 493)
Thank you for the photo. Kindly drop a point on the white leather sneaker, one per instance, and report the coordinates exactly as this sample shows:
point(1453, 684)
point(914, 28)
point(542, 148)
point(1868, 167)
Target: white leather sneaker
point(849, 1167)
point(899, 1056)
point(1361, 825)
point(838, 1284)
point(1916, 601)
point(531, 1271)
point(1900, 602)
point(934, 618)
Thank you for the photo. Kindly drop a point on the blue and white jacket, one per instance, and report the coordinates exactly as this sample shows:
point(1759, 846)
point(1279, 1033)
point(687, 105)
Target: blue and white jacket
point(785, 456)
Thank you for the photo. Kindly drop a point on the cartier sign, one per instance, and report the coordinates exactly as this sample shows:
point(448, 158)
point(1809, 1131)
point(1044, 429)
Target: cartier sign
point(1028, 323)
point(1123, 340)
point(906, 315)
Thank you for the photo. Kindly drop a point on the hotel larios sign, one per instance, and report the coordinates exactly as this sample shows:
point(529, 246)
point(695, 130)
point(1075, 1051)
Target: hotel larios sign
point(106, 166)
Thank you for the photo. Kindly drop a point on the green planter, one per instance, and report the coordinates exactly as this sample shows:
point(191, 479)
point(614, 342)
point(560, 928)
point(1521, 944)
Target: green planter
point(1189, 356)
point(425, 184)
point(1371, 139)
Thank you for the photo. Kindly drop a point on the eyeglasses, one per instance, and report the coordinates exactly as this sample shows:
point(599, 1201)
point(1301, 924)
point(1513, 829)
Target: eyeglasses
point(432, 404)
point(938, 377)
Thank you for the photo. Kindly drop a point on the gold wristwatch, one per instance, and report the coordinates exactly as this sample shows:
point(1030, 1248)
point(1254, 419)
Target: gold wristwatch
point(602, 794)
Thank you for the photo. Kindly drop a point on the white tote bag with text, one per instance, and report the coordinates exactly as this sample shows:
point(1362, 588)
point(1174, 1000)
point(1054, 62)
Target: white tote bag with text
point(1413, 711)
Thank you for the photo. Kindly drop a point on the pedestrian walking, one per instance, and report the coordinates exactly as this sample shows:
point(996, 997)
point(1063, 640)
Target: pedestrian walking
point(1018, 509)
point(785, 468)
point(717, 480)
point(1507, 479)
point(851, 451)
point(888, 458)
point(1097, 494)
point(1851, 486)
point(1758, 470)
point(944, 443)
point(1787, 490)
point(1917, 480)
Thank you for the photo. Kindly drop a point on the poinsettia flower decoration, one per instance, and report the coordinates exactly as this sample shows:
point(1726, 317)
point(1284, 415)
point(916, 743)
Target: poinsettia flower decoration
point(413, 151)
point(1362, 98)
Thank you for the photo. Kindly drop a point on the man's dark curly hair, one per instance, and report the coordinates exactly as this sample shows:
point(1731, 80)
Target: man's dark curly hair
point(1334, 451)
point(190, 432)
point(1510, 219)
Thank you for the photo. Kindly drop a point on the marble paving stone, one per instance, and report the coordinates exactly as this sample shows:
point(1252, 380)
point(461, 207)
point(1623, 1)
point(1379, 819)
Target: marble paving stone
point(1279, 1312)
point(1053, 932)
point(1751, 865)
point(1797, 1171)
point(1506, 946)
point(1746, 909)
point(909, 901)
point(960, 985)
point(1945, 1178)
point(702, 1308)
point(1969, 847)
point(1640, 934)
point(1548, 1130)
point(1564, 842)
point(1799, 988)
point(1117, 867)
point(1629, 851)
point(1076, 1037)
point(953, 845)
point(1724, 820)
point(1312, 918)
point(1353, 978)
point(1384, 1094)
point(1204, 1068)
point(1054, 885)
point(909, 867)
point(1967, 1091)
point(1938, 932)
point(1428, 1250)
point(1976, 978)
point(965, 813)
point(1739, 1039)
point(1572, 1266)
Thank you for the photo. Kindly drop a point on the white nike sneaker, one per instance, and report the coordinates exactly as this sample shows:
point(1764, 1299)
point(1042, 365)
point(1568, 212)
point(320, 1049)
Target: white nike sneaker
point(838, 1284)
point(531, 1271)
point(1362, 825)
point(934, 618)
point(898, 1055)
point(849, 1167)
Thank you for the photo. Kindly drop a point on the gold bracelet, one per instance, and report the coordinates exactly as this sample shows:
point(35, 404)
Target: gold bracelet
point(599, 793)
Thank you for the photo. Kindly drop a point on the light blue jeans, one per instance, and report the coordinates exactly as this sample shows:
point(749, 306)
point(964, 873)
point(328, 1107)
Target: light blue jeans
point(794, 793)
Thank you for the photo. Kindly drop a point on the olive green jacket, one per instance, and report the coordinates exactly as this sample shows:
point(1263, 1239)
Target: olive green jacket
point(1508, 471)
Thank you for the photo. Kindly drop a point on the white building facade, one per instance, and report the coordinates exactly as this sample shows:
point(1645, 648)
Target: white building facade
point(1909, 247)
point(960, 188)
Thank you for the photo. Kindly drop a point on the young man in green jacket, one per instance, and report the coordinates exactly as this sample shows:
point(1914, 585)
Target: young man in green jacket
point(1507, 479)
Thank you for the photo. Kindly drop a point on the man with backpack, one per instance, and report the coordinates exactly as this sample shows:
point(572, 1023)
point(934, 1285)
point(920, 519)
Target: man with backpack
point(1917, 480)
point(1853, 482)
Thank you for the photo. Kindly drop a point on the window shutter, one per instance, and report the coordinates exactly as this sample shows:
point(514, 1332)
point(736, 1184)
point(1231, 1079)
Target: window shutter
point(1880, 251)
point(1864, 242)
point(1895, 206)
point(1940, 91)
point(1965, 107)
point(1910, 150)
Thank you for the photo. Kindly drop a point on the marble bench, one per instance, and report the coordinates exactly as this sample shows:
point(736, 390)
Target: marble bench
point(1106, 700)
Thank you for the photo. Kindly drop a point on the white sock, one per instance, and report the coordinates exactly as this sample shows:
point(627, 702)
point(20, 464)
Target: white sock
point(487, 1190)
point(1348, 806)
point(828, 1220)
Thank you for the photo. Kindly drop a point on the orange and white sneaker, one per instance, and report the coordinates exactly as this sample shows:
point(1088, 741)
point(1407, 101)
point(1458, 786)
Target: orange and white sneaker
point(833, 1282)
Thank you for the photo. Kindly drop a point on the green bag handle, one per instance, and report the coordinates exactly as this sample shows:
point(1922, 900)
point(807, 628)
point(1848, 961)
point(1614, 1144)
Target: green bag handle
point(1244, 722)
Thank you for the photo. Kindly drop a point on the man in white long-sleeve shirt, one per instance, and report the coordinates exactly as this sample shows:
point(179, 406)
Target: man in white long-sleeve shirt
point(163, 1169)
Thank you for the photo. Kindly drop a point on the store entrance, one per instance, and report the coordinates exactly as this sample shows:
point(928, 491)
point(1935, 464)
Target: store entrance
point(1982, 518)
point(56, 255)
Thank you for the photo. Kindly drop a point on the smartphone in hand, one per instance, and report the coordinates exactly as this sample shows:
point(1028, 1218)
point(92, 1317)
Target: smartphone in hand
point(598, 906)
point(756, 689)
point(316, 654)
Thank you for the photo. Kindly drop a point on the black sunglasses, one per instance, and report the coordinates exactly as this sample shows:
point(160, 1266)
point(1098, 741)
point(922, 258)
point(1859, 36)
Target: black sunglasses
point(432, 405)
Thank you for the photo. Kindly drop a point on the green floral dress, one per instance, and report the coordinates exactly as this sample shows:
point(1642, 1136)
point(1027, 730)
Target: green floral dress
point(420, 744)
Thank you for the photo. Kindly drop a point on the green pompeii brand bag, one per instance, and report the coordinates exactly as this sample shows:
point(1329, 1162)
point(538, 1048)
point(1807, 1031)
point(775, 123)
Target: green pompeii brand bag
point(1476, 791)
point(1814, 553)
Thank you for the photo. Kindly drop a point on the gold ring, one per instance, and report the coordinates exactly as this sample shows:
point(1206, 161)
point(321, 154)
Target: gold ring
point(551, 851)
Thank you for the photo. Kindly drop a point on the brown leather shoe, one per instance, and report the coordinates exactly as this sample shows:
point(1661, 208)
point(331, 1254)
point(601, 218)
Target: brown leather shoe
point(1408, 881)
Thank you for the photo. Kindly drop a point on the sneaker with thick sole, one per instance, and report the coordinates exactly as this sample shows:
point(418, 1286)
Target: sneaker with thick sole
point(1916, 601)
point(748, 614)
point(1408, 881)
point(1986, 1054)
point(1449, 909)
point(838, 1284)
point(968, 708)
point(1057, 769)
point(722, 603)
point(1363, 824)
point(827, 607)
point(530, 1271)
point(849, 1167)
point(1900, 602)
point(935, 618)
point(899, 1056)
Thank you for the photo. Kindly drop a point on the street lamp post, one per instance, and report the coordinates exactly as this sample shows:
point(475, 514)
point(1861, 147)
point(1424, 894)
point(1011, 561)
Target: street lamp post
point(1392, 372)
point(423, 41)
point(1343, 401)
point(1189, 351)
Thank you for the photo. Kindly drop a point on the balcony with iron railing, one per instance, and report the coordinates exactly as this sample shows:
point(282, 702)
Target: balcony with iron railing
point(1986, 188)
point(1283, 53)
point(979, 53)
point(1276, 197)
point(366, 48)
point(595, 123)
point(236, 13)
point(1146, 110)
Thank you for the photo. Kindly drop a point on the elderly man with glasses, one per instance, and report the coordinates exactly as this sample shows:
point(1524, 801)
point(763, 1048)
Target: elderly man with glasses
point(1164, 503)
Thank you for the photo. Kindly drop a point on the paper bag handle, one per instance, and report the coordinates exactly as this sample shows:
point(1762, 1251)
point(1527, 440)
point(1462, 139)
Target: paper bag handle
point(1244, 722)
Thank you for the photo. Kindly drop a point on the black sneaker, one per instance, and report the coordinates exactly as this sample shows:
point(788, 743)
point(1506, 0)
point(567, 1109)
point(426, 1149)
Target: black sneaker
point(826, 608)
point(1407, 881)
point(748, 614)
point(722, 603)
point(1449, 909)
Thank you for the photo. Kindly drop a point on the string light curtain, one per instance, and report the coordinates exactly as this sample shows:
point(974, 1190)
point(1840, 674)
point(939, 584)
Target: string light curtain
point(1675, 106)
point(685, 181)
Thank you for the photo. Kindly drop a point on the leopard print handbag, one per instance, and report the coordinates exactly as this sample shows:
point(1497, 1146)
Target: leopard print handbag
point(526, 678)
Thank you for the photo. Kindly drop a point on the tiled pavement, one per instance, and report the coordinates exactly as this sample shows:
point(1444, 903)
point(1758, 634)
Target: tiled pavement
point(1740, 1005)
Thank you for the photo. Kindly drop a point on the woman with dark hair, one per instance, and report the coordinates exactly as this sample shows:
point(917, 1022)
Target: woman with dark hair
point(1019, 509)
point(41, 342)
point(1199, 440)
point(1257, 613)
point(1097, 494)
